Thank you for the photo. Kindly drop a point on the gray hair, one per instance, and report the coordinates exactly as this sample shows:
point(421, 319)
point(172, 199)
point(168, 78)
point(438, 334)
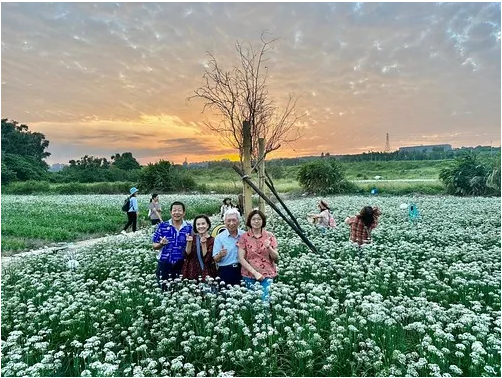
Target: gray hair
point(232, 211)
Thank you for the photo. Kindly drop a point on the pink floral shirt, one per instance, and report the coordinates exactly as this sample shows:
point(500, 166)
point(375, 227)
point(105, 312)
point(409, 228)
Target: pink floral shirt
point(257, 255)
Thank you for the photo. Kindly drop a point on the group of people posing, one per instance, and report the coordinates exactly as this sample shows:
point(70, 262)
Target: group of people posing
point(234, 255)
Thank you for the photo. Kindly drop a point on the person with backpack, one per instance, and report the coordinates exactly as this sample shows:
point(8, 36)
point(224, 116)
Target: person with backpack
point(362, 224)
point(131, 207)
point(324, 218)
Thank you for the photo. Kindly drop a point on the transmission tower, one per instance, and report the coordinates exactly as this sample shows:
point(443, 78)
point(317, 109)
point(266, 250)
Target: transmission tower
point(387, 144)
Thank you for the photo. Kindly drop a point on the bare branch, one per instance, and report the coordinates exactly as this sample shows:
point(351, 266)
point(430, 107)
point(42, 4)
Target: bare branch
point(240, 94)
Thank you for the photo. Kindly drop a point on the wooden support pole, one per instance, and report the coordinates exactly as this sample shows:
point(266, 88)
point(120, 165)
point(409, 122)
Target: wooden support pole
point(246, 189)
point(271, 186)
point(302, 236)
point(261, 171)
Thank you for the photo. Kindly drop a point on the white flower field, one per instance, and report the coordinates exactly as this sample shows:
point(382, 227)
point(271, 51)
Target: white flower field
point(422, 300)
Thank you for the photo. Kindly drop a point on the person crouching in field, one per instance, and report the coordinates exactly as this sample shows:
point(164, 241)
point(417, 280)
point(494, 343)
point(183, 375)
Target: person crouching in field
point(154, 210)
point(258, 253)
point(199, 260)
point(171, 239)
point(362, 224)
point(323, 219)
point(225, 250)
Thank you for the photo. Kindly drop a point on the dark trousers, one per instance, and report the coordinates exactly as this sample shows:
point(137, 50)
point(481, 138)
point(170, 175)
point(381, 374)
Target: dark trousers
point(230, 274)
point(166, 270)
point(132, 218)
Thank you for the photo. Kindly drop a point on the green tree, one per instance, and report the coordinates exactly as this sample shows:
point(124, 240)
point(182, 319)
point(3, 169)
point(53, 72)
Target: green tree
point(165, 177)
point(23, 153)
point(466, 176)
point(324, 176)
point(125, 161)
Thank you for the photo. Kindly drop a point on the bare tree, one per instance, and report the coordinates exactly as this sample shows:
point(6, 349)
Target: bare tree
point(241, 94)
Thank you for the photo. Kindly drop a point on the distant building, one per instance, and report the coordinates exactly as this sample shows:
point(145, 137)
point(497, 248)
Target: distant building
point(429, 148)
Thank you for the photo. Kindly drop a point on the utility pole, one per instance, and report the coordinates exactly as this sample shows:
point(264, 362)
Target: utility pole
point(387, 144)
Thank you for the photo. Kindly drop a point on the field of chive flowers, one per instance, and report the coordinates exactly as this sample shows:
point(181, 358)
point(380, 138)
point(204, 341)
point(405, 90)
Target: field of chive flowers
point(423, 300)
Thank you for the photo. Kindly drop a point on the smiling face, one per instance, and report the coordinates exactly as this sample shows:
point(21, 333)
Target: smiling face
point(201, 225)
point(177, 213)
point(231, 222)
point(256, 221)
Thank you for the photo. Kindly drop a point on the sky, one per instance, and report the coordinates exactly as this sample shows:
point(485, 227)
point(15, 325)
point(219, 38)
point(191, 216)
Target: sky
point(101, 78)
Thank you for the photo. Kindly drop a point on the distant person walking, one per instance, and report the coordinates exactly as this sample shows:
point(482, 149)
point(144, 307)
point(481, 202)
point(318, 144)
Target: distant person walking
point(225, 250)
point(199, 260)
point(258, 253)
point(227, 205)
point(362, 224)
point(171, 239)
point(155, 210)
point(132, 212)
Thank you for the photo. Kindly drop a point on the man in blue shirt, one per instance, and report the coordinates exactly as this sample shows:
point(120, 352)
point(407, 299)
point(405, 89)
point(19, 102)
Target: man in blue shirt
point(225, 250)
point(171, 239)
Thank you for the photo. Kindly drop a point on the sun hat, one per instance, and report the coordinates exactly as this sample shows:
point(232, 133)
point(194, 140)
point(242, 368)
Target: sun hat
point(324, 204)
point(133, 190)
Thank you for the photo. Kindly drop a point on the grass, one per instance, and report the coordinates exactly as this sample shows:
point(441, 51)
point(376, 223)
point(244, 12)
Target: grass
point(30, 222)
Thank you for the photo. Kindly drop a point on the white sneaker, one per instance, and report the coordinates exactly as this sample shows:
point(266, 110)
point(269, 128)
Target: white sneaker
point(123, 232)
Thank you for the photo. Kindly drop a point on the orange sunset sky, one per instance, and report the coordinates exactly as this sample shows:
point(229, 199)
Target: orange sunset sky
point(100, 78)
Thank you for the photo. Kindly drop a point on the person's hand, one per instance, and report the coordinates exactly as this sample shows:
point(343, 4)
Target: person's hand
point(266, 243)
point(189, 238)
point(223, 252)
point(203, 239)
point(164, 240)
point(258, 276)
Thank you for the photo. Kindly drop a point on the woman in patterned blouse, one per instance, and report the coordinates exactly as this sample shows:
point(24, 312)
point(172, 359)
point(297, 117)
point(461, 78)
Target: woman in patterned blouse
point(258, 253)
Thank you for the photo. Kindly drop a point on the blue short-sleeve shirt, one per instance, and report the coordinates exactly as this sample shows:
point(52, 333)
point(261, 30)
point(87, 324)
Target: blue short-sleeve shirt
point(224, 239)
point(174, 251)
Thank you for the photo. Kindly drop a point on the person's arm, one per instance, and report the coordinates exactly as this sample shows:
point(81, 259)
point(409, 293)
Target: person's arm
point(159, 245)
point(188, 248)
point(349, 220)
point(218, 251)
point(271, 246)
point(157, 212)
point(206, 245)
point(242, 259)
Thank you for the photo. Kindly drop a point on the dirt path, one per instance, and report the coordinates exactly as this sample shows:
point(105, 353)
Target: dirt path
point(66, 247)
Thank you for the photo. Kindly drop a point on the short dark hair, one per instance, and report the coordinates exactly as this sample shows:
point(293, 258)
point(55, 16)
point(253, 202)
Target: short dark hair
point(177, 203)
point(253, 213)
point(201, 216)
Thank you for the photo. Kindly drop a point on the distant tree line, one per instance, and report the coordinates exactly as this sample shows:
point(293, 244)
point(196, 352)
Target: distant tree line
point(473, 171)
point(24, 153)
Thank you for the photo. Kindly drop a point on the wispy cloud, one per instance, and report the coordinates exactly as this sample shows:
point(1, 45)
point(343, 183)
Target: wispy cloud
point(87, 74)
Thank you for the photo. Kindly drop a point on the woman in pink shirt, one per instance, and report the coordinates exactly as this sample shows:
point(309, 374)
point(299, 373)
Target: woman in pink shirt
point(258, 253)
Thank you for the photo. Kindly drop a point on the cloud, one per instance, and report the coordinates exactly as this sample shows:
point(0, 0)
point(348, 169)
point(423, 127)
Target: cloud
point(89, 73)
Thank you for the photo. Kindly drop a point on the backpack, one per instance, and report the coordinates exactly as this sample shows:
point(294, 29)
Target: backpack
point(332, 221)
point(127, 204)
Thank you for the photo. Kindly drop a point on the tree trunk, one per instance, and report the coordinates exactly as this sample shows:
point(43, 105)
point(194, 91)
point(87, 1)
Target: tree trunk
point(246, 145)
point(261, 171)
